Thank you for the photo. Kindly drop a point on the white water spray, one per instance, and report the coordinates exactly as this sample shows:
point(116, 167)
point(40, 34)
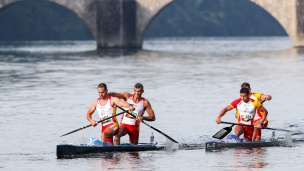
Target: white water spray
point(287, 140)
point(171, 146)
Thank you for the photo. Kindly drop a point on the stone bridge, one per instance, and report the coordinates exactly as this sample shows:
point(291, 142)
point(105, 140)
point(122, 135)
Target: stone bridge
point(122, 23)
point(114, 23)
point(290, 14)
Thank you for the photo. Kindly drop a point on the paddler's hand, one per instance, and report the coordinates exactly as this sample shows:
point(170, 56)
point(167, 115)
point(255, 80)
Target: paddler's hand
point(131, 108)
point(258, 125)
point(93, 123)
point(140, 118)
point(218, 120)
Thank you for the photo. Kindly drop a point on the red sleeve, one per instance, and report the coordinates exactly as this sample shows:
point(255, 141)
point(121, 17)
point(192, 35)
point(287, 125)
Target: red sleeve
point(235, 102)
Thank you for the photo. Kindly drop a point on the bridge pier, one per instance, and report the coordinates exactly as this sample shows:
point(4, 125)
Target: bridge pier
point(116, 24)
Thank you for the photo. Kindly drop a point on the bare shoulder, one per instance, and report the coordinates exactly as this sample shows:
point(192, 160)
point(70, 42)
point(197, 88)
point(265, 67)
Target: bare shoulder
point(147, 103)
point(93, 105)
point(95, 102)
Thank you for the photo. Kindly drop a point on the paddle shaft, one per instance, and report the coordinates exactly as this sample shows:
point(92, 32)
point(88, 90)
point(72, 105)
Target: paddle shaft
point(253, 126)
point(91, 124)
point(149, 125)
point(160, 132)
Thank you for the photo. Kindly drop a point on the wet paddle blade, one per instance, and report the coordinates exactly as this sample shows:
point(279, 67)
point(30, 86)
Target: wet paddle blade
point(222, 133)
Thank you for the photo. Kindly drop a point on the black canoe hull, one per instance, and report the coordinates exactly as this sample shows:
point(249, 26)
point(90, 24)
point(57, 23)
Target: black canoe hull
point(216, 145)
point(67, 150)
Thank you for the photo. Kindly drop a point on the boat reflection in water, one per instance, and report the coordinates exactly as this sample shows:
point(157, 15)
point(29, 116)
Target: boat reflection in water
point(112, 160)
point(256, 156)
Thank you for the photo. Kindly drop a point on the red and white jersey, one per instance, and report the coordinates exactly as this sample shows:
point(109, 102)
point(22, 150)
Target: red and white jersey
point(245, 111)
point(105, 111)
point(257, 97)
point(139, 111)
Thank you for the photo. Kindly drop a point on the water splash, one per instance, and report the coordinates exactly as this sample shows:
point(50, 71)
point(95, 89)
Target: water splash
point(191, 146)
point(171, 146)
point(287, 140)
point(198, 143)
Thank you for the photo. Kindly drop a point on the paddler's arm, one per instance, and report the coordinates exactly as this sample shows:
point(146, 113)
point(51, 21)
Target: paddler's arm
point(123, 95)
point(266, 97)
point(264, 114)
point(90, 112)
point(121, 103)
point(148, 108)
point(222, 113)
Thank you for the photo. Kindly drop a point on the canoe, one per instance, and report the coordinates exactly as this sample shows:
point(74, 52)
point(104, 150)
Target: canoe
point(71, 150)
point(231, 141)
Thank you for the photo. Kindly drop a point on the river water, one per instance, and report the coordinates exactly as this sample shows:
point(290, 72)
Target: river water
point(46, 89)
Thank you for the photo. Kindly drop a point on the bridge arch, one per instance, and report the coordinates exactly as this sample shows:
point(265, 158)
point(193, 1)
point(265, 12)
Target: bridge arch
point(84, 9)
point(147, 12)
point(10, 8)
point(289, 14)
point(114, 23)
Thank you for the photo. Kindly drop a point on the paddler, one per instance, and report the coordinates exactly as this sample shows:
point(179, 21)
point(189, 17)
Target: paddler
point(130, 125)
point(260, 119)
point(106, 108)
point(246, 108)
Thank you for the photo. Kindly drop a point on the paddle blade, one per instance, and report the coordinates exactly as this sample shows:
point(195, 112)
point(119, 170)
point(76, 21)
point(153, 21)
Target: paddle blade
point(222, 133)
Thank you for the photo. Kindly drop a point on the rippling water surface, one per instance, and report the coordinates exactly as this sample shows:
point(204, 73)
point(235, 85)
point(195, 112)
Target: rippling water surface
point(47, 87)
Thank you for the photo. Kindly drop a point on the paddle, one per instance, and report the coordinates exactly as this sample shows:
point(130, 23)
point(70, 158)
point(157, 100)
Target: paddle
point(91, 124)
point(149, 125)
point(277, 129)
point(225, 131)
